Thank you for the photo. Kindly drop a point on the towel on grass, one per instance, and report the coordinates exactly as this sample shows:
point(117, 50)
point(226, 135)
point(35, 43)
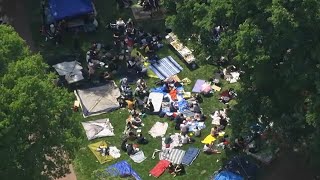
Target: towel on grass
point(176, 141)
point(191, 154)
point(173, 155)
point(159, 168)
point(208, 140)
point(158, 129)
point(200, 125)
point(197, 86)
point(121, 169)
point(114, 152)
point(138, 157)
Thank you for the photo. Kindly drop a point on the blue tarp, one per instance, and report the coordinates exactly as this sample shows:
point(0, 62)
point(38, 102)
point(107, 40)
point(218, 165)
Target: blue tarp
point(122, 169)
point(226, 175)
point(61, 9)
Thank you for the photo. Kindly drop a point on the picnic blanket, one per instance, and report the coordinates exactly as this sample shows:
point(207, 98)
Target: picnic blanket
point(166, 67)
point(200, 125)
point(158, 129)
point(173, 155)
point(98, 128)
point(208, 139)
point(234, 77)
point(150, 73)
point(156, 99)
point(114, 152)
point(159, 168)
point(122, 169)
point(191, 154)
point(176, 141)
point(138, 157)
point(198, 85)
point(102, 159)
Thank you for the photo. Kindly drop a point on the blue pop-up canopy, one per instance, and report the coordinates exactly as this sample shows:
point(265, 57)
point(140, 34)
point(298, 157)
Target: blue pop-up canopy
point(226, 175)
point(61, 9)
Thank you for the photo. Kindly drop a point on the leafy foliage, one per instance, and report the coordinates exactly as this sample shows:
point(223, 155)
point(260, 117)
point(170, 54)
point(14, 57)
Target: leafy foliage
point(12, 47)
point(275, 42)
point(37, 131)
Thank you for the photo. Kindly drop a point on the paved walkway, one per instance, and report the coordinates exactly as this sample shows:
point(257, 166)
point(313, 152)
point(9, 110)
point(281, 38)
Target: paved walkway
point(18, 17)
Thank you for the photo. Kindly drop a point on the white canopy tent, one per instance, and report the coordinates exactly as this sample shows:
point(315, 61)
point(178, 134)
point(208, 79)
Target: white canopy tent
point(71, 71)
point(98, 128)
point(98, 100)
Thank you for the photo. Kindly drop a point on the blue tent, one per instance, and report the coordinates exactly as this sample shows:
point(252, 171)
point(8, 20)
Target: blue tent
point(226, 175)
point(61, 9)
point(122, 169)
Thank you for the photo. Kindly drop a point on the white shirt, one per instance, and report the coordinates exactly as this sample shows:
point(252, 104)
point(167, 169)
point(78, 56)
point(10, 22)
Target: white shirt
point(184, 139)
point(206, 148)
point(120, 23)
point(197, 132)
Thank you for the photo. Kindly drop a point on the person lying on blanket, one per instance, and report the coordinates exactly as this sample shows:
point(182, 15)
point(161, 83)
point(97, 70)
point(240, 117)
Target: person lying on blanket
point(131, 149)
point(227, 95)
point(104, 150)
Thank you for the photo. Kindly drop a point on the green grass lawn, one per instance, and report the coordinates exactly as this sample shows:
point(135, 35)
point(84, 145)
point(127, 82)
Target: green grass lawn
point(85, 162)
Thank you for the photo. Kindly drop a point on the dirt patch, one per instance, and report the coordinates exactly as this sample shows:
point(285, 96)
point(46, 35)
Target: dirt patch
point(18, 18)
point(70, 176)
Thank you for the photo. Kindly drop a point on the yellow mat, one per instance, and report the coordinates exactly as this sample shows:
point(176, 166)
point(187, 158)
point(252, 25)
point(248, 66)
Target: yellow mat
point(102, 159)
point(208, 140)
point(150, 73)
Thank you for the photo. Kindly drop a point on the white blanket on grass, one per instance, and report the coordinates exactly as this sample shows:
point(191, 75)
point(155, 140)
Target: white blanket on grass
point(98, 128)
point(114, 152)
point(158, 129)
point(138, 157)
point(156, 99)
point(176, 141)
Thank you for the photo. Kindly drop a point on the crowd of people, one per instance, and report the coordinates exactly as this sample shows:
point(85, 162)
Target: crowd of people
point(126, 36)
point(147, 5)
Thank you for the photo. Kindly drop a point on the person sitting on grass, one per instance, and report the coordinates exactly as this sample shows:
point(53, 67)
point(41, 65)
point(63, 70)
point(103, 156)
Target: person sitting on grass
point(184, 128)
point(171, 168)
point(141, 139)
point(197, 132)
point(208, 149)
point(134, 123)
point(185, 139)
point(148, 107)
point(178, 170)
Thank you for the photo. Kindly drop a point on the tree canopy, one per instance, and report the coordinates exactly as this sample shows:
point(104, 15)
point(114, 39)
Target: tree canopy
point(37, 130)
point(276, 44)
